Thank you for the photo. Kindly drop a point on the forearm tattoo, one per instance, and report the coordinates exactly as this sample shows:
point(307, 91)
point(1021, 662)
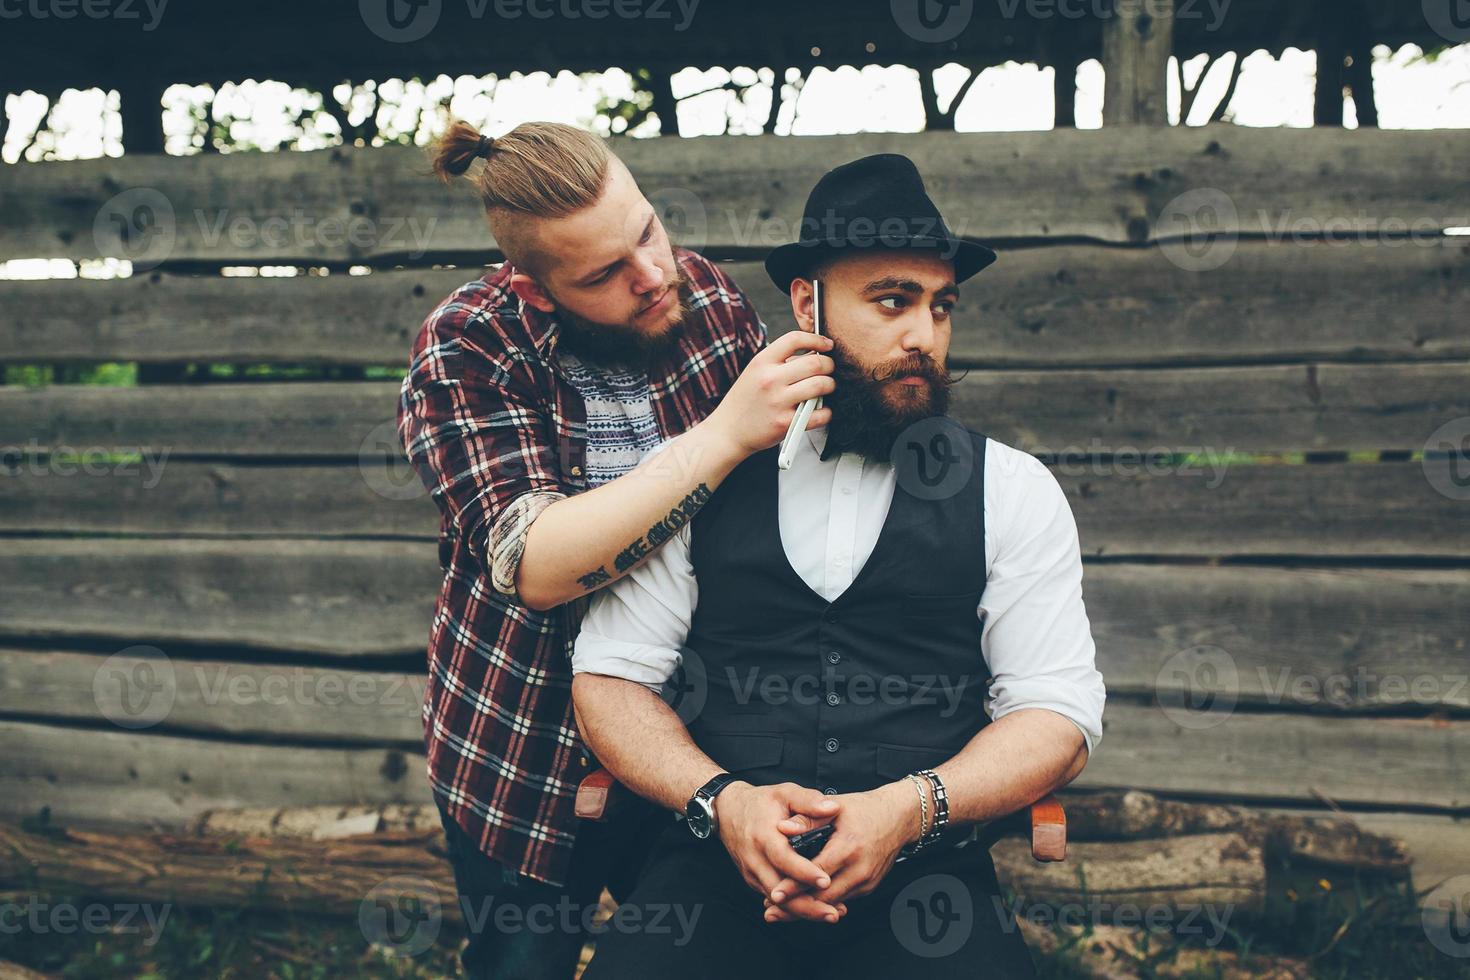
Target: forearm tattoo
point(593, 579)
point(663, 529)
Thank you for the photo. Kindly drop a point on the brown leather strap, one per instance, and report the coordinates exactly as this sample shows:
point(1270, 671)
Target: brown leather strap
point(595, 795)
point(1048, 830)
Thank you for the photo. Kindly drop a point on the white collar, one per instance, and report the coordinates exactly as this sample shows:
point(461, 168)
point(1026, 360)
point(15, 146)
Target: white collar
point(817, 439)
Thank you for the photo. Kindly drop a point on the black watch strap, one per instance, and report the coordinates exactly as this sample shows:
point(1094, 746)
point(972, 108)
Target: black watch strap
point(711, 789)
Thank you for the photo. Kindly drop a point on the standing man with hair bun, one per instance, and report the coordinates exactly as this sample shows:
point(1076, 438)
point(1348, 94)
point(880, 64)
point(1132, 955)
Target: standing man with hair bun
point(534, 397)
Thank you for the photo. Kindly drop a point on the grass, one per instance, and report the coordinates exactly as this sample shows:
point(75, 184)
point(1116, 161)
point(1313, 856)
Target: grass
point(1353, 933)
point(196, 943)
point(1342, 927)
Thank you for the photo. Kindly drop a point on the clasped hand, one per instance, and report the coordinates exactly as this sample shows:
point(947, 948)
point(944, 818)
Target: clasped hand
point(756, 823)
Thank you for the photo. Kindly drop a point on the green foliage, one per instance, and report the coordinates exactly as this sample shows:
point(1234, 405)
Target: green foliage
point(103, 375)
point(126, 375)
point(626, 115)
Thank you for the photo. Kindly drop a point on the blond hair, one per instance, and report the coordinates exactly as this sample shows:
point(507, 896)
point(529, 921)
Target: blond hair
point(538, 170)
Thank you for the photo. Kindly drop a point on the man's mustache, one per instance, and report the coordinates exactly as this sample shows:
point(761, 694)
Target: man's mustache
point(677, 282)
point(919, 365)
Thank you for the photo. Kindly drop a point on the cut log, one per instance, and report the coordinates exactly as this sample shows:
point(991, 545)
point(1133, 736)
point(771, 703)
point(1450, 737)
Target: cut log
point(329, 878)
point(1220, 872)
point(320, 822)
point(1334, 841)
point(1337, 841)
point(334, 877)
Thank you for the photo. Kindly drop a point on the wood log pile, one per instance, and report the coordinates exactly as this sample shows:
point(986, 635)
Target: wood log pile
point(1130, 854)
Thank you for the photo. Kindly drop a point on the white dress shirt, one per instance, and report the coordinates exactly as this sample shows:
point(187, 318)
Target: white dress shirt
point(1035, 636)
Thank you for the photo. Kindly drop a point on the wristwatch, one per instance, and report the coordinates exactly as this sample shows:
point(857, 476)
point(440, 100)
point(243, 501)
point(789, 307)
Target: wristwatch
point(699, 812)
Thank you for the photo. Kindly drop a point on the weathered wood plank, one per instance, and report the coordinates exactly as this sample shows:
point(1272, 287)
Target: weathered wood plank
point(1077, 305)
point(143, 687)
point(378, 497)
point(1295, 638)
point(1136, 45)
point(1053, 306)
point(308, 419)
point(157, 318)
point(118, 778)
point(1132, 507)
point(173, 779)
point(1124, 508)
point(1329, 639)
point(1240, 755)
point(1115, 185)
point(1276, 408)
point(1420, 762)
point(1260, 409)
point(343, 598)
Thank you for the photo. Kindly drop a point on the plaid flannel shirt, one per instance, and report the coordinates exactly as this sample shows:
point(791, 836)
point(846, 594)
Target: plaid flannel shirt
point(497, 433)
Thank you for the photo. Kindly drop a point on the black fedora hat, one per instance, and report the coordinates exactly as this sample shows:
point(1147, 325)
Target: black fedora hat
point(876, 202)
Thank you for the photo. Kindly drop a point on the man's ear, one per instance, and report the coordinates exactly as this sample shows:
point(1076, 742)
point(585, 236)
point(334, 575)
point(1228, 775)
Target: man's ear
point(801, 304)
point(530, 291)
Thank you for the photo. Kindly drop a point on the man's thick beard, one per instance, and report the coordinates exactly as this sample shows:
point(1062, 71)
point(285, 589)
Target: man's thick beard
point(863, 421)
point(623, 345)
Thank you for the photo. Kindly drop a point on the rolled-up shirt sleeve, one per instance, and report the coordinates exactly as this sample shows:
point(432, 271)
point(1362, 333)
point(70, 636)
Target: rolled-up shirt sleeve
point(477, 433)
point(1036, 637)
point(636, 627)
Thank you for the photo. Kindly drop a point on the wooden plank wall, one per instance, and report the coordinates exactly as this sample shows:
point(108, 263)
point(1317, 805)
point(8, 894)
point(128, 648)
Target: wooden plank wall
point(266, 539)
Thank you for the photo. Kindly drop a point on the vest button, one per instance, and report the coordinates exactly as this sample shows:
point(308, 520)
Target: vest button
point(833, 745)
point(833, 699)
point(833, 657)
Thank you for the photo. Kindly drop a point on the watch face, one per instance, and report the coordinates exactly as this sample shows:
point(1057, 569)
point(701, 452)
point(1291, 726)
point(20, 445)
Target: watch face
point(699, 818)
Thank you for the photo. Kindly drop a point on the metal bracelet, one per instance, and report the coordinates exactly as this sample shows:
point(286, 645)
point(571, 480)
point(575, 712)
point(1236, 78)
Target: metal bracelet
point(923, 806)
point(941, 802)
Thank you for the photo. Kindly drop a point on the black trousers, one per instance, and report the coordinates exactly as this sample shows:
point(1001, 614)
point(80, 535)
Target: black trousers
point(938, 914)
point(542, 936)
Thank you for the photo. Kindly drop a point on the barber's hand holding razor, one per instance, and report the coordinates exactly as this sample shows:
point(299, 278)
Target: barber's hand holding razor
point(757, 410)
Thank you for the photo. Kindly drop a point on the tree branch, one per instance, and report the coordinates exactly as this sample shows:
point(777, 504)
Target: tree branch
point(954, 105)
point(1219, 113)
point(932, 116)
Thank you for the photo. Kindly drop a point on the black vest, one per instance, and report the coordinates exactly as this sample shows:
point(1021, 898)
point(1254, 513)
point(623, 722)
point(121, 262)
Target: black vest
point(847, 695)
